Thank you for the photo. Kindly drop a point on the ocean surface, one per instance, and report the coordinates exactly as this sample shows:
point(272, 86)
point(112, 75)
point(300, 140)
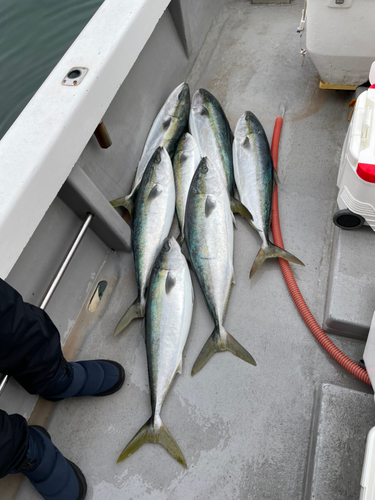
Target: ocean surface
point(34, 35)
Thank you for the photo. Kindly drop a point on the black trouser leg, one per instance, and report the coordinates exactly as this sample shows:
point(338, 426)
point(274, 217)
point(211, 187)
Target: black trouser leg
point(30, 347)
point(14, 437)
point(30, 351)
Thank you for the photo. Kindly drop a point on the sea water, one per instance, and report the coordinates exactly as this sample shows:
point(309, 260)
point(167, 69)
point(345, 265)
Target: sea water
point(34, 35)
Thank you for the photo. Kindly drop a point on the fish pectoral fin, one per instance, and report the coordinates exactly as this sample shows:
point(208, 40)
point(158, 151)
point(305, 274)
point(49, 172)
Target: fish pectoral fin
point(272, 251)
point(136, 310)
point(183, 156)
point(245, 141)
point(155, 192)
point(150, 434)
point(202, 110)
point(166, 122)
point(210, 205)
point(169, 282)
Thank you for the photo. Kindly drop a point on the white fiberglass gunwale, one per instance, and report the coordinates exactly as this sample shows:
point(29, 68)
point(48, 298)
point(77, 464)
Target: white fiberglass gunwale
point(39, 151)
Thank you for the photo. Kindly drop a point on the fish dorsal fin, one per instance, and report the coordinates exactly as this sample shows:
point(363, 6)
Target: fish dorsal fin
point(167, 121)
point(210, 205)
point(169, 282)
point(155, 191)
point(202, 110)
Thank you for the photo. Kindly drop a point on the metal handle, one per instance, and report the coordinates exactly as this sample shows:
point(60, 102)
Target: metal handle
point(4, 378)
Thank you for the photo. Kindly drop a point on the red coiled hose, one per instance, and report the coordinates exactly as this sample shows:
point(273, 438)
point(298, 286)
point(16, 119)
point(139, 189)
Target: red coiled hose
point(318, 333)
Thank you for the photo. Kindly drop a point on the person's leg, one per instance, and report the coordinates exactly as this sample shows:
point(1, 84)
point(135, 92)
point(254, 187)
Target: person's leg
point(29, 450)
point(30, 351)
point(14, 437)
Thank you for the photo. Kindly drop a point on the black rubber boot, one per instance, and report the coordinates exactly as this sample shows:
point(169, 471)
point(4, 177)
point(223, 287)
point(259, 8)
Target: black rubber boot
point(52, 475)
point(86, 378)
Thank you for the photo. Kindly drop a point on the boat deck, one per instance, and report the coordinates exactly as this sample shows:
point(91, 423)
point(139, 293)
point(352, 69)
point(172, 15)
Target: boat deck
point(244, 430)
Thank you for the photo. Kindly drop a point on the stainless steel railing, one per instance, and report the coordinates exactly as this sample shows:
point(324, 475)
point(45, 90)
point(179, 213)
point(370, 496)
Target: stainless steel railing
point(4, 378)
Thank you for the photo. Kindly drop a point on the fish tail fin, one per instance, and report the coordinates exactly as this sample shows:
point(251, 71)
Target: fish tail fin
point(166, 439)
point(270, 251)
point(238, 350)
point(216, 343)
point(118, 202)
point(136, 310)
point(154, 433)
point(209, 349)
point(125, 201)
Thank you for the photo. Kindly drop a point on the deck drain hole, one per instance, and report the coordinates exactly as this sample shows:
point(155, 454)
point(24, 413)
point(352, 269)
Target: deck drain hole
point(97, 297)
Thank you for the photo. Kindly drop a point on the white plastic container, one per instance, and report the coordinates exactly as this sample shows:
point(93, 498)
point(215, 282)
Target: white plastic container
point(340, 39)
point(356, 179)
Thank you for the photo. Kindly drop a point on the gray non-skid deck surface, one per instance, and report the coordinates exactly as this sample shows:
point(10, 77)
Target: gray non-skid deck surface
point(342, 419)
point(244, 431)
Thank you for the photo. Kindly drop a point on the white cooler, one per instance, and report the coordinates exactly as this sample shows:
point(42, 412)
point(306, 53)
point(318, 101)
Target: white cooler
point(340, 39)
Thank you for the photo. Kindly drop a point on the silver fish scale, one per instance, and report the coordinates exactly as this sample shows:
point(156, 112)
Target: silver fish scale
point(167, 323)
point(212, 133)
point(210, 243)
point(164, 133)
point(185, 163)
point(152, 218)
point(253, 171)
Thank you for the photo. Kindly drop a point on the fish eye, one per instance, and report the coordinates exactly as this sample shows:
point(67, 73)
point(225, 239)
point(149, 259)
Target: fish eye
point(204, 167)
point(167, 246)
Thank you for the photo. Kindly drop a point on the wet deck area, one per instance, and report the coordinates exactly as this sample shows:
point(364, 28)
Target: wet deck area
point(244, 430)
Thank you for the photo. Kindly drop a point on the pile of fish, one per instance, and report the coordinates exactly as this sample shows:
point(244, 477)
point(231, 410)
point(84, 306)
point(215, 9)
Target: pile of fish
point(209, 165)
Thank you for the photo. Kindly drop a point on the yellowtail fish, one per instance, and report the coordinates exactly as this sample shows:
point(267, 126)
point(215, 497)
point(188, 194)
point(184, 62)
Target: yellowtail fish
point(152, 218)
point(209, 240)
point(185, 162)
point(255, 180)
point(167, 322)
point(170, 123)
